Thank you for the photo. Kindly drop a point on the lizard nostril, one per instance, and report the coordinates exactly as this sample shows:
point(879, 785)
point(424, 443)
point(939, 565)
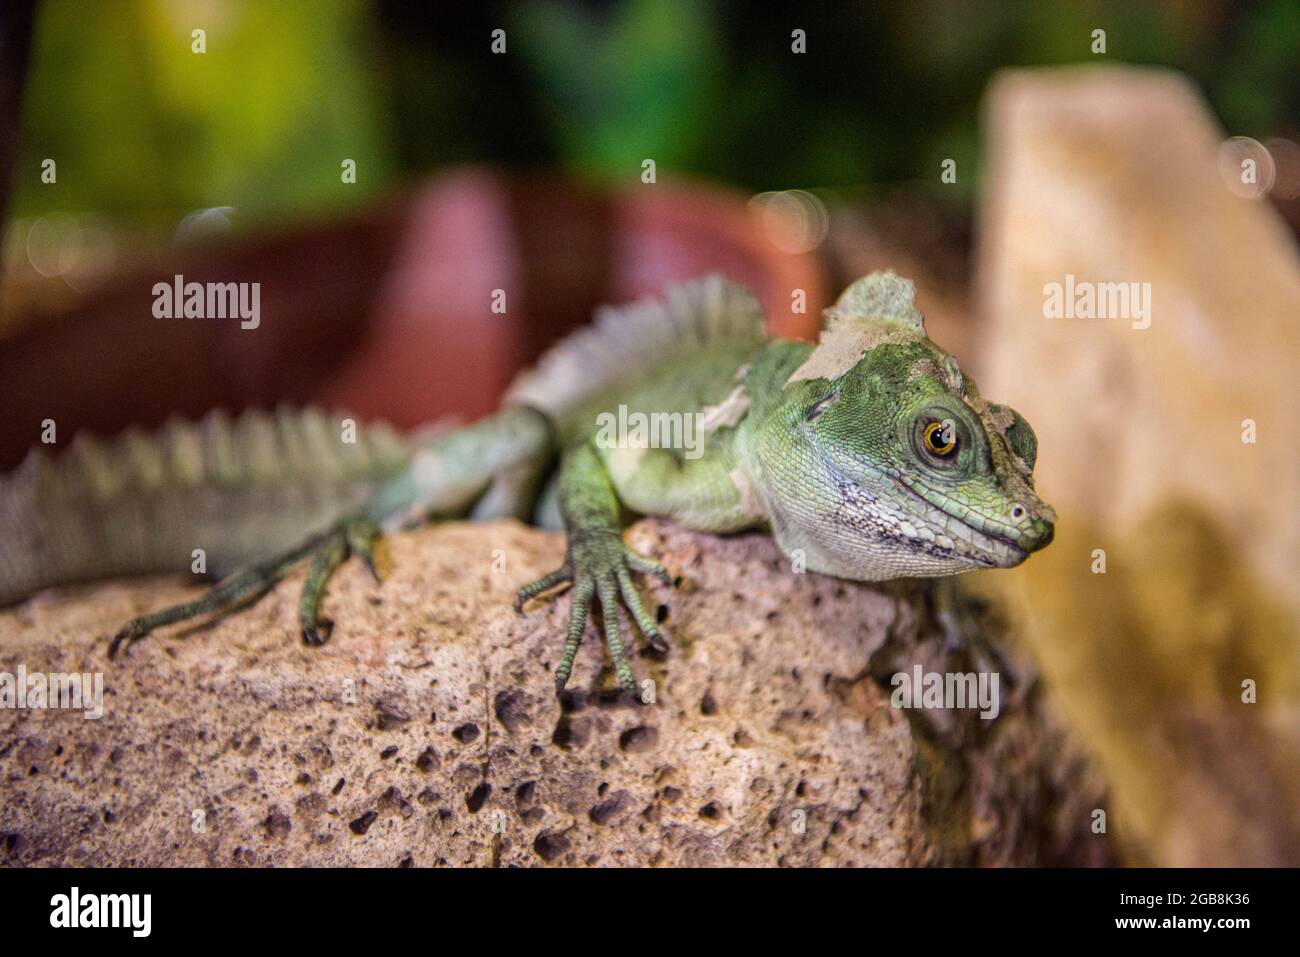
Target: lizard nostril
point(1038, 534)
point(1018, 512)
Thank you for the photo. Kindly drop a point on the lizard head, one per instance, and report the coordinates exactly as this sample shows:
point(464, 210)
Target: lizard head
point(899, 467)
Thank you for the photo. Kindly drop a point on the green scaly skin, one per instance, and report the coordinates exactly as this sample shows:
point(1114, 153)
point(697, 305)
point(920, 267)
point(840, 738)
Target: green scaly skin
point(868, 456)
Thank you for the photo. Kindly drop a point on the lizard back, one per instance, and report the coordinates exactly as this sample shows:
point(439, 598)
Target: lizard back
point(633, 342)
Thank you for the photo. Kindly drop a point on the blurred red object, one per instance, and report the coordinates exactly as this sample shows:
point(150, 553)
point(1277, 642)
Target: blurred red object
point(389, 315)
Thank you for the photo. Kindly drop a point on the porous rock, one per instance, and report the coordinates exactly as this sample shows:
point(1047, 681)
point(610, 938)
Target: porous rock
point(428, 732)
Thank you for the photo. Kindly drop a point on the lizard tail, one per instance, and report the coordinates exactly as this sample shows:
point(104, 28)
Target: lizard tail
point(203, 496)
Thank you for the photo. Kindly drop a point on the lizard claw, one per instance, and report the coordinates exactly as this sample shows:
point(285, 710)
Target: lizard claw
point(657, 641)
point(318, 634)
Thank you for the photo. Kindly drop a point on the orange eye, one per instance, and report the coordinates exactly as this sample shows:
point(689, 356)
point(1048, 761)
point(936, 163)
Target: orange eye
point(940, 439)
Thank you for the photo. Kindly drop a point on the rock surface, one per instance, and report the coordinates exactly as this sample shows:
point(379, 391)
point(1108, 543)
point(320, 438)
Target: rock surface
point(427, 731)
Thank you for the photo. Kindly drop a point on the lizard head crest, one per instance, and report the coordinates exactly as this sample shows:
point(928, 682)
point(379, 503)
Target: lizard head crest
point(881, 298)
point(876, 309)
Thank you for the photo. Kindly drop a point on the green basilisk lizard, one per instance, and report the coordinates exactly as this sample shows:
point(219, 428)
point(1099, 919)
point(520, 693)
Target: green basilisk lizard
point(868, 455)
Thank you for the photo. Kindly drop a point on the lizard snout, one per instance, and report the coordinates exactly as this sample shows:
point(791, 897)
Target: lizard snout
point(1035, 534)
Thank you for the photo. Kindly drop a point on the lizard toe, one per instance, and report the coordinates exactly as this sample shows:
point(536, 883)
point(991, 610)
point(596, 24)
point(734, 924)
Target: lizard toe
point(126, 636)
point(558, 577)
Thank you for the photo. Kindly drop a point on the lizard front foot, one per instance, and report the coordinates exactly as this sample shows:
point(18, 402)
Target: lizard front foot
point(601, 566)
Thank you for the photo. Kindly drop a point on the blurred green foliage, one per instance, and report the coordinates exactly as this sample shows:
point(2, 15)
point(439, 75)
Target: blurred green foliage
point(144, 129)
point(612, 82)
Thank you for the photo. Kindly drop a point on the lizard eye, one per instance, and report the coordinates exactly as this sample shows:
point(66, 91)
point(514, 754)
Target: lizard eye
point(822, 405)
point(940, 439)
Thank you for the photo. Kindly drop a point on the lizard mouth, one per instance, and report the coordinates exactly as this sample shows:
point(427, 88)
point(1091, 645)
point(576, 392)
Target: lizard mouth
point(959, 539)
point(991, 550)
